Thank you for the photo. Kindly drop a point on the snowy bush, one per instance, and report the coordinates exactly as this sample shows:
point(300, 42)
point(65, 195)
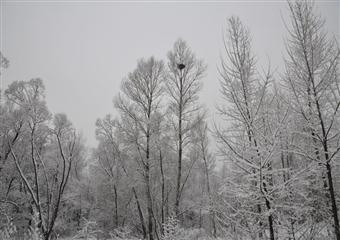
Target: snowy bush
point(122, 233)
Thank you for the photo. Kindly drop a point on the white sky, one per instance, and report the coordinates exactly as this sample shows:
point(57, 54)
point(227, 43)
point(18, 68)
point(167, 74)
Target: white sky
point(82, 50)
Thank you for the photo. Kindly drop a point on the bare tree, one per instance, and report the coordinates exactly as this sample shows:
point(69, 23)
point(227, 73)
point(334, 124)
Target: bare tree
point(312, 75)
point(107, 155)
point(249, 141)
point(51, 151)
point(10, 121)
point(208, 167)
point(183, 84)
point(142, 95)
point(111, 160)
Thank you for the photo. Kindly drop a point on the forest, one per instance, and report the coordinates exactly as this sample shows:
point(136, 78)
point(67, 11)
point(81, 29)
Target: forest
point(268, 168)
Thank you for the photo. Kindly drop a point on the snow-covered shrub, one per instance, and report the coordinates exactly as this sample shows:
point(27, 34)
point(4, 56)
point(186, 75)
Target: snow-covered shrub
point(89, 231)
point(8, 231)
point(34, 231)
point(173, 231)
point(122, 233)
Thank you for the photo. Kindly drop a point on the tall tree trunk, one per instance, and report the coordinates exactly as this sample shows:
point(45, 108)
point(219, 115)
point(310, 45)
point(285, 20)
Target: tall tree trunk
point(116, 204)
point(214, 225)
point(332, 195)
point(140, 213)
point(180, 145)
point(149, 205)
point(148, 183)
point(212, 213)
point(260, 221)
point(270, 221)
point(200, 219)
point(163, 189)
point(179, 167)
point(327, 158)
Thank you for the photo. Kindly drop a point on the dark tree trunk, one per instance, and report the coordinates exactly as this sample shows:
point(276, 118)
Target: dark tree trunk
point(163, 189)
point(270, 221)
point(140, 213)
point(334, 207)
point(116, 205)
point(179, 167)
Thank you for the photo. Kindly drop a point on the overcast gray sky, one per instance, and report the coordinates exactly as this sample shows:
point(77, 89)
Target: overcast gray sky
point(82, 50)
